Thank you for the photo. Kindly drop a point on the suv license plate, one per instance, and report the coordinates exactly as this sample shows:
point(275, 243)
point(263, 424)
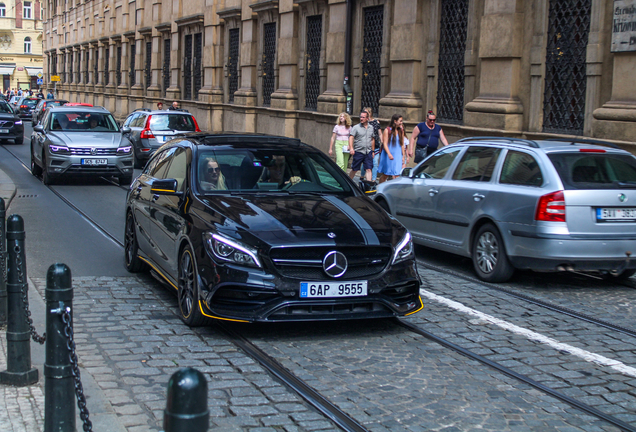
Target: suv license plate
point(616, 214)
point(333, 289)
point(94, 161)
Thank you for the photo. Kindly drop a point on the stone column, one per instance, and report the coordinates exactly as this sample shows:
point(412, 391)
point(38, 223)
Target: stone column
point(246, 93)
point(140, 61)
point(286, 95)
point(174, 91)
point(109, 90)
point(537, 66)
point(406, 62)
point(333, 100)
point(500, 49)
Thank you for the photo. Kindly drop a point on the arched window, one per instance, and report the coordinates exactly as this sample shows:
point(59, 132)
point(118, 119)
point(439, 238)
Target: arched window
point(27, 44)
point(3, 10)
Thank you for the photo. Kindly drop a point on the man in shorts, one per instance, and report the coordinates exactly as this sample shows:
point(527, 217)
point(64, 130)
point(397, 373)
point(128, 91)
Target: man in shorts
point(361, 146)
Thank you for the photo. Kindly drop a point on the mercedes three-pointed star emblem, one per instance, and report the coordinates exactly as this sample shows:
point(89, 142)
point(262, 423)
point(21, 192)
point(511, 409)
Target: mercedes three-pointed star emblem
point(335, 264)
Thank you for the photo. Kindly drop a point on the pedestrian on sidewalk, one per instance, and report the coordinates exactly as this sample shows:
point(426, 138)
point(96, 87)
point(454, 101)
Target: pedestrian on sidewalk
point(426, 137)
point(340, 136)
point(361, 146)
point(377, 135)
point(392, 157)
point(174, 107)
point(160, 106)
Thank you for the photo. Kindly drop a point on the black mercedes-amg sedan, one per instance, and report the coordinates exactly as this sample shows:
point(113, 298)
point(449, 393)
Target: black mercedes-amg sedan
point(249, 227)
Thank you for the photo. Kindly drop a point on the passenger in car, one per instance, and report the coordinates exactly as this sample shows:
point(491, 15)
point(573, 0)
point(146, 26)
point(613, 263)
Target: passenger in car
point(212, 178)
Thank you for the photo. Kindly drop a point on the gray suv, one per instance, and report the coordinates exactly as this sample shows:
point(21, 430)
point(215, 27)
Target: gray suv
point(80, 141)
point(517, 204)
point(149, 130)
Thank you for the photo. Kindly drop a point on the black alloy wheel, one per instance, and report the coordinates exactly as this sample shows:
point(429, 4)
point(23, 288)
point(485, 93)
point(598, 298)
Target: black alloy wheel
point(131, 249)
point(47, 179)
point(489, 255)
point(188, 295)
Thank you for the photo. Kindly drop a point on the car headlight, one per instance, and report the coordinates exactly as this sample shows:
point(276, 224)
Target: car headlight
point(18, 122)
point(59, 149)
point(404, 249)
point(230, 250)
point(124, 150)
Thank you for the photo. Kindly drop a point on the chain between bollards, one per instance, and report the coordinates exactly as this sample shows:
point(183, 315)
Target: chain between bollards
point(24, 290)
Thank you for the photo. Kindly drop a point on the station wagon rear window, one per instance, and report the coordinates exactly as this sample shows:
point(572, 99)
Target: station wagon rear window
point(172, 122)
point(595, 170)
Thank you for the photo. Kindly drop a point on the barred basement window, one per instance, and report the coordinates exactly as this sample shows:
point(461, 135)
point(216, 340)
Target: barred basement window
point(565, 69)
point(106, 66)
point(96, 66)
point(187, 68)
point(132, 75)
point(269, 58)
point(118, 67)
point(70, 67)
point(312, 65)
point(196, 64)
point(166, 65)
point(148, 62)
point(372, 57)
point(232, 61)
point(87, 67)
point(452, 49)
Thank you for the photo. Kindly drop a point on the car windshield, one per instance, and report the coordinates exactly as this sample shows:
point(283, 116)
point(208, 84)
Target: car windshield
point(587, 170)
point(5, 108)
point(83, 122)
point(172, 122)
point(268, 171)
point(30, 102)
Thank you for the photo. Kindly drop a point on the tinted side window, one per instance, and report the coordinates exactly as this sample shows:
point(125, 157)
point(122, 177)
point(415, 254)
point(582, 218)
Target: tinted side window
point(595, 170)
point(160, 166)
point(140, 121)
point(178, 167)
point(477, 164)
point(129, 120)
point(521, 169)
point(437, 166)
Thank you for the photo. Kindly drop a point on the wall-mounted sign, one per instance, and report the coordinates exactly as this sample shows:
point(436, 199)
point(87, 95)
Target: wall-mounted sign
point(55, 78)
point(624, 26)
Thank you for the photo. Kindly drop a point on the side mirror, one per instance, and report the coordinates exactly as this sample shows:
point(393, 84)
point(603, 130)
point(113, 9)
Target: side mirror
point(125, 130)
point(406, 172)
point(38, 128)
point(165, 187)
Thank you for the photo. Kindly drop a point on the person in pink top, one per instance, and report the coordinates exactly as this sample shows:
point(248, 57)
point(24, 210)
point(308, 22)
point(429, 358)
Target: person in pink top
point(340, 137)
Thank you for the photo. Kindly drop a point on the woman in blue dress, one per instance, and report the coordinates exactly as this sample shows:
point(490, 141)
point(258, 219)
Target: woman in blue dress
point(392, 158)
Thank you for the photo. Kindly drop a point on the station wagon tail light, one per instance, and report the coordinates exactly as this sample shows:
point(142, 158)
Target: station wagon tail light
point(591, 150)
point(196, 125)
point(551, 207)
point(226, 249)
point(146, 133)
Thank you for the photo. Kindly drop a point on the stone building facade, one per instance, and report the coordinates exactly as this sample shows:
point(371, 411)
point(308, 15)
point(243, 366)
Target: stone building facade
point(526, 68)
point(20, 43)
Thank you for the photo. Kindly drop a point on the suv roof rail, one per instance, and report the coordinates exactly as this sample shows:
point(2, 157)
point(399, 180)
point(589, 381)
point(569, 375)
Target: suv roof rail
point(522, 141)
point(142, 109)
point(575, 141)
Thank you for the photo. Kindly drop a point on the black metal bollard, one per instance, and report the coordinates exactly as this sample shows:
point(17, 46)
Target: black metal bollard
point(3, 265)
point(59, 390)
point(187, 405)
point(19, 371)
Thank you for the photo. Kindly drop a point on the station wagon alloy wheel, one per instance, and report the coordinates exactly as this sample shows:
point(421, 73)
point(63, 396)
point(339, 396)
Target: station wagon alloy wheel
point(489, 256)
point(487, 252)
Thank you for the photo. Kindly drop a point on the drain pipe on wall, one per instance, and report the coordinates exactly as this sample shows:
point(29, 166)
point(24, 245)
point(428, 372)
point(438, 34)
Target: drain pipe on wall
point(348, 91)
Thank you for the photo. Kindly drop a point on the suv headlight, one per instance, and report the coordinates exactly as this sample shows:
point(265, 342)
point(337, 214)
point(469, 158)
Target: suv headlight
point(230, 250)
point(404, 249)
point(59, 149)
point(18, 122)
point(124, 150)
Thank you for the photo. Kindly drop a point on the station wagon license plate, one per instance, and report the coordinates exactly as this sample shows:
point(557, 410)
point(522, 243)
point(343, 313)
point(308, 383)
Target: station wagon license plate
point(94, 161)
point(333, 289)
point(615, 214)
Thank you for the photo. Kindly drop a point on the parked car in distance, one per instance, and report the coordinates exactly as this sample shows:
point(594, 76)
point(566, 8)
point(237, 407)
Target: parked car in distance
point(517, 204)
point(248, 227)
point(26, 105)
point(11, 126)
point(41, 107)
point(14, 101)
point(80, 141)
point(149, 130)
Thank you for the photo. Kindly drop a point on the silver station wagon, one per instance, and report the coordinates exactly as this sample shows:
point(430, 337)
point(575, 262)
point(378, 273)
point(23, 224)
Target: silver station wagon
point(518, 204)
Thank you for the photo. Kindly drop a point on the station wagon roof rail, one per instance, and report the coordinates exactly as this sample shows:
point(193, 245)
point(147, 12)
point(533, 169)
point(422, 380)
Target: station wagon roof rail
point(522, 141)
point(141, 109)
point(577, 141)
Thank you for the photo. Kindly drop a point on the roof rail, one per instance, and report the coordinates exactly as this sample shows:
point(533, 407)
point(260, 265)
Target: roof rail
point(141, 109)
point(522, 141)
point(575, 141)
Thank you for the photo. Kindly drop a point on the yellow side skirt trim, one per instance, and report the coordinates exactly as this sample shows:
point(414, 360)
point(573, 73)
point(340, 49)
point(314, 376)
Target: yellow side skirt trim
point(418, 309)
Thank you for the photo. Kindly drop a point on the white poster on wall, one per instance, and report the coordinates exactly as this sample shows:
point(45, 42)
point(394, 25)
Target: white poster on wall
point(624, 26)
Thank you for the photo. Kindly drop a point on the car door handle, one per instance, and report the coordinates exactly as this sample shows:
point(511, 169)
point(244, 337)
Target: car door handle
point(433, 191)
point(478, 197)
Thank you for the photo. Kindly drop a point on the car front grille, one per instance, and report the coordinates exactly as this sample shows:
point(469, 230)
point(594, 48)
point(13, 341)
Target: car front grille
point(6, 124)
point(88, 151)
point(306, 262)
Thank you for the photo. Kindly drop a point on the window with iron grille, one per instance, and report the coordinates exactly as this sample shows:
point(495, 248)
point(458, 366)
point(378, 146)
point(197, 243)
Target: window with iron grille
point(96, 66)
point(196, 64)
point(132, 75)
point(166, 65)
point(148, 62)
point(118, 67)
point(106, 66)
point(372, 57)
point(312, 65)
point(452, 49)
point(54, 64)
point(232, 64)
point(87, 67)
point(70, 67)
point(269, 58)
point(565, 67)
point(64, 67)
point(187, 68)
